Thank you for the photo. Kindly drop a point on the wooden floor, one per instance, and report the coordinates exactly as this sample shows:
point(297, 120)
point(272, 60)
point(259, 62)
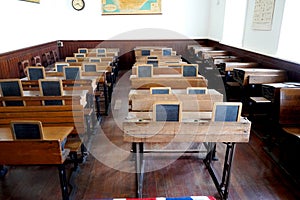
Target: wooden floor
point(109, 169)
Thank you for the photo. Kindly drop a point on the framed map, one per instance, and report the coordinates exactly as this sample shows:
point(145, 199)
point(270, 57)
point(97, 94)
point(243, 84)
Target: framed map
point(128, 7)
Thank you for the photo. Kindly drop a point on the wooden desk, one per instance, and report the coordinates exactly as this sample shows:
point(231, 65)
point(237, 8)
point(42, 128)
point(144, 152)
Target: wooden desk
point(247, 76)
point(142, 100)
point(216, 60)
point(229, 66)
point(140, 131)
point(211, 53)
point(173, 81)
point(37, 152)
point(94, 82)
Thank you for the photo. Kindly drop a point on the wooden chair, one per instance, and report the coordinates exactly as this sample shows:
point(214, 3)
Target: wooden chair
point(24, 65)
point(11, 87)
point(55, 54)
point(37, 60)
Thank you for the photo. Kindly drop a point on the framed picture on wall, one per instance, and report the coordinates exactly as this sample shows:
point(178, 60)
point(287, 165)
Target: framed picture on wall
point(129, 7)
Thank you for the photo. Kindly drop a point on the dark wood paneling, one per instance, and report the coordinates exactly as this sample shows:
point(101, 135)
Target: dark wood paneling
point(9, 62)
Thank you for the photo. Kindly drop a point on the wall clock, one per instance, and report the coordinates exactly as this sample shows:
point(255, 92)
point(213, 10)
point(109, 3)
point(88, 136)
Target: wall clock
point(78, 4)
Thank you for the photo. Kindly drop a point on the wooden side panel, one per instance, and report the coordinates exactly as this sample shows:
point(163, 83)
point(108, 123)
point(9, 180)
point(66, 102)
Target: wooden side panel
point(30, 152)
point(289, 106)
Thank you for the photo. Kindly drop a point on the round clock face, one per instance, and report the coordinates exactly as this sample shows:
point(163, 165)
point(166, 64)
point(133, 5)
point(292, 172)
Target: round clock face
point(78, 4)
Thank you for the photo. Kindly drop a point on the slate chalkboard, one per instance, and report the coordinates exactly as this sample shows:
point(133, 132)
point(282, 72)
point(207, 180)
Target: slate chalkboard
point(95, 60)
point(59, 67)
point(89, 67)
point(151, 57)
point(167, 111)
point(189, 70)
point(196, 90)
point(227, 112)
point(145, 70)
point(36, 73)
point(71, 60)
point(79, 55)
point(27, 130)
point(166, 51)
point(160, 90)
point(72, 73)
point(11, 87)
point(153, 62)
point(145, 52)
point(101, 51)
point(83, 50)
point(51, 88)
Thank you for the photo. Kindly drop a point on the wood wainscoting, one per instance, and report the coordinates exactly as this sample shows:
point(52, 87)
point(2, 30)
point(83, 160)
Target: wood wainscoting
point(11, 62)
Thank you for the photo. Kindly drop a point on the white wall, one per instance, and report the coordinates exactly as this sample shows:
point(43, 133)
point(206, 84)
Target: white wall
point(29, 24)
point(216, 19)
point(263, 41)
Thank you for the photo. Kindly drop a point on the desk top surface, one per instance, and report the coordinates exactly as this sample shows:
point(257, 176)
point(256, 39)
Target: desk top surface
point(168, 76)
point(173, 91)
point(257, 70)
point(50, 133)
point(186, 131)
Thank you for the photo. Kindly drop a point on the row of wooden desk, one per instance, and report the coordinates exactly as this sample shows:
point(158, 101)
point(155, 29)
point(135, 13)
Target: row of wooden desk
point(268, 97)
point(195, 125)
point(57, 124)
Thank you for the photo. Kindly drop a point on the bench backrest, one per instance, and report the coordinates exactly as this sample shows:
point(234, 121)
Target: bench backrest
point(63, 115)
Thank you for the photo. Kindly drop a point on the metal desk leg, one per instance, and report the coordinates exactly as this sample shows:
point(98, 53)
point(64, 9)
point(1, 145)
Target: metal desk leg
point(63, 182)
point(139, 168)
point(227, 168)
point(106, 102)
point(222, 187)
